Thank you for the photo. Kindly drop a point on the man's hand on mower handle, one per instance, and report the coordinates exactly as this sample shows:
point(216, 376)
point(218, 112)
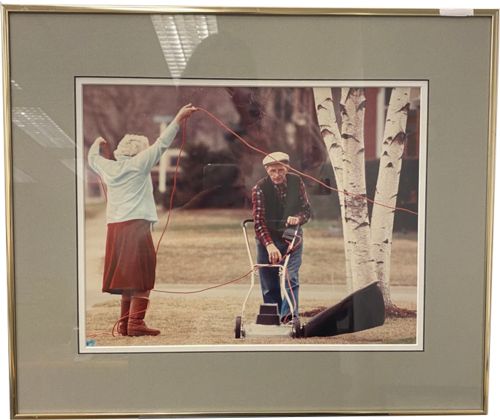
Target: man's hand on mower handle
point(274, 253)
point(292, 221)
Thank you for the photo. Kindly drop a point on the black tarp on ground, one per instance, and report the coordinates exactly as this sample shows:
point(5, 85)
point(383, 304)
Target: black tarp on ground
point(359, 311)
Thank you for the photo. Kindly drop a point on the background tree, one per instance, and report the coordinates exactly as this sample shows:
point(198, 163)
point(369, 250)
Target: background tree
point(209, 179)
point(111, 111)
point(277, 119)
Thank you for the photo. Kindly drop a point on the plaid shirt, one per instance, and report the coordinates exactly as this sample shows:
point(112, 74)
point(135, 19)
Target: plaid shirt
point(259, 209)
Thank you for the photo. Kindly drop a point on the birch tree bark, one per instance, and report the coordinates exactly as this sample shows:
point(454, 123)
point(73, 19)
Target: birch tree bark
point(387, 186)
point(332, 138)
point(352, 105)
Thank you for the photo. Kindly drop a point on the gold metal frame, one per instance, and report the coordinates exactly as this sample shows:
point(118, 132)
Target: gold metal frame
point(493, 14)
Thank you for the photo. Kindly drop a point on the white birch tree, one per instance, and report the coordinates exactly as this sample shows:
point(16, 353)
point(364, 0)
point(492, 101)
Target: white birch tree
point(352, 104)
point(332, 138)
point(387, 187)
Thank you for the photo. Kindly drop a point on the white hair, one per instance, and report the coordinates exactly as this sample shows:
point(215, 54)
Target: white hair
point(130, 145)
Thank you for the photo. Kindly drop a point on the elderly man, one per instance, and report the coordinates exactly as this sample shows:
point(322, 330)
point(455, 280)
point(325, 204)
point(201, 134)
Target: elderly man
point(279, 200)
point(130, 259)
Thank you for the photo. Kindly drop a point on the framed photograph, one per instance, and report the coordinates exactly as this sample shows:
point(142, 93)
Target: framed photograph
point(205, 185)
point(198, 197)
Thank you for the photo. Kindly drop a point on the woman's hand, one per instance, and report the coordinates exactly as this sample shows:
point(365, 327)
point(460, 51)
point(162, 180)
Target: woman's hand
point(185, 112)
point(99, 141)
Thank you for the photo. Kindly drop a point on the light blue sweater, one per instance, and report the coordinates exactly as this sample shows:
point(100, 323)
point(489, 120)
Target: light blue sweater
point(128, 179)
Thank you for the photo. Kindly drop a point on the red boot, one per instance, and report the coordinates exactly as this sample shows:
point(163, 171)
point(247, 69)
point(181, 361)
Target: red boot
point(136, 325)
point(125, 308)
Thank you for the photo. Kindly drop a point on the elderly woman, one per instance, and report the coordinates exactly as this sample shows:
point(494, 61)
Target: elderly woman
point(130, 260)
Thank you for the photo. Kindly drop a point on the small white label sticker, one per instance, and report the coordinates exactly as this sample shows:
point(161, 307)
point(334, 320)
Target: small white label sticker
point(456, 12)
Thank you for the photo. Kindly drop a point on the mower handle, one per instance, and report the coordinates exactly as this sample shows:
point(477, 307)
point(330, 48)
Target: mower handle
point(244, 223)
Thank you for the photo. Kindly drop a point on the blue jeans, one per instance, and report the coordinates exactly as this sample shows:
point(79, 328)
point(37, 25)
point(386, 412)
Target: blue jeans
point(270, 280)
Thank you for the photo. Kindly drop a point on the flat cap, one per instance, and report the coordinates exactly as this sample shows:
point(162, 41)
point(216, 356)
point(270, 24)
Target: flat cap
point(275, 157)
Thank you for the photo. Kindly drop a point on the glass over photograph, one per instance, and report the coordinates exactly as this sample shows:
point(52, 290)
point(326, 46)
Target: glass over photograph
point(237, 215)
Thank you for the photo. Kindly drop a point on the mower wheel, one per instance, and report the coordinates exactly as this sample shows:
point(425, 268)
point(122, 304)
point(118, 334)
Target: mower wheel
point(237, 327)
point(296, 329)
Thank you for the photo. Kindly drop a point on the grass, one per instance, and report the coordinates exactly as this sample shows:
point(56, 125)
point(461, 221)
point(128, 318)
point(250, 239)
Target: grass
point(206, 247)
point(199, 320)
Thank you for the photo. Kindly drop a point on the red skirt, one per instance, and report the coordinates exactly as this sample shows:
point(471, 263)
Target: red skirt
point(130, 260)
